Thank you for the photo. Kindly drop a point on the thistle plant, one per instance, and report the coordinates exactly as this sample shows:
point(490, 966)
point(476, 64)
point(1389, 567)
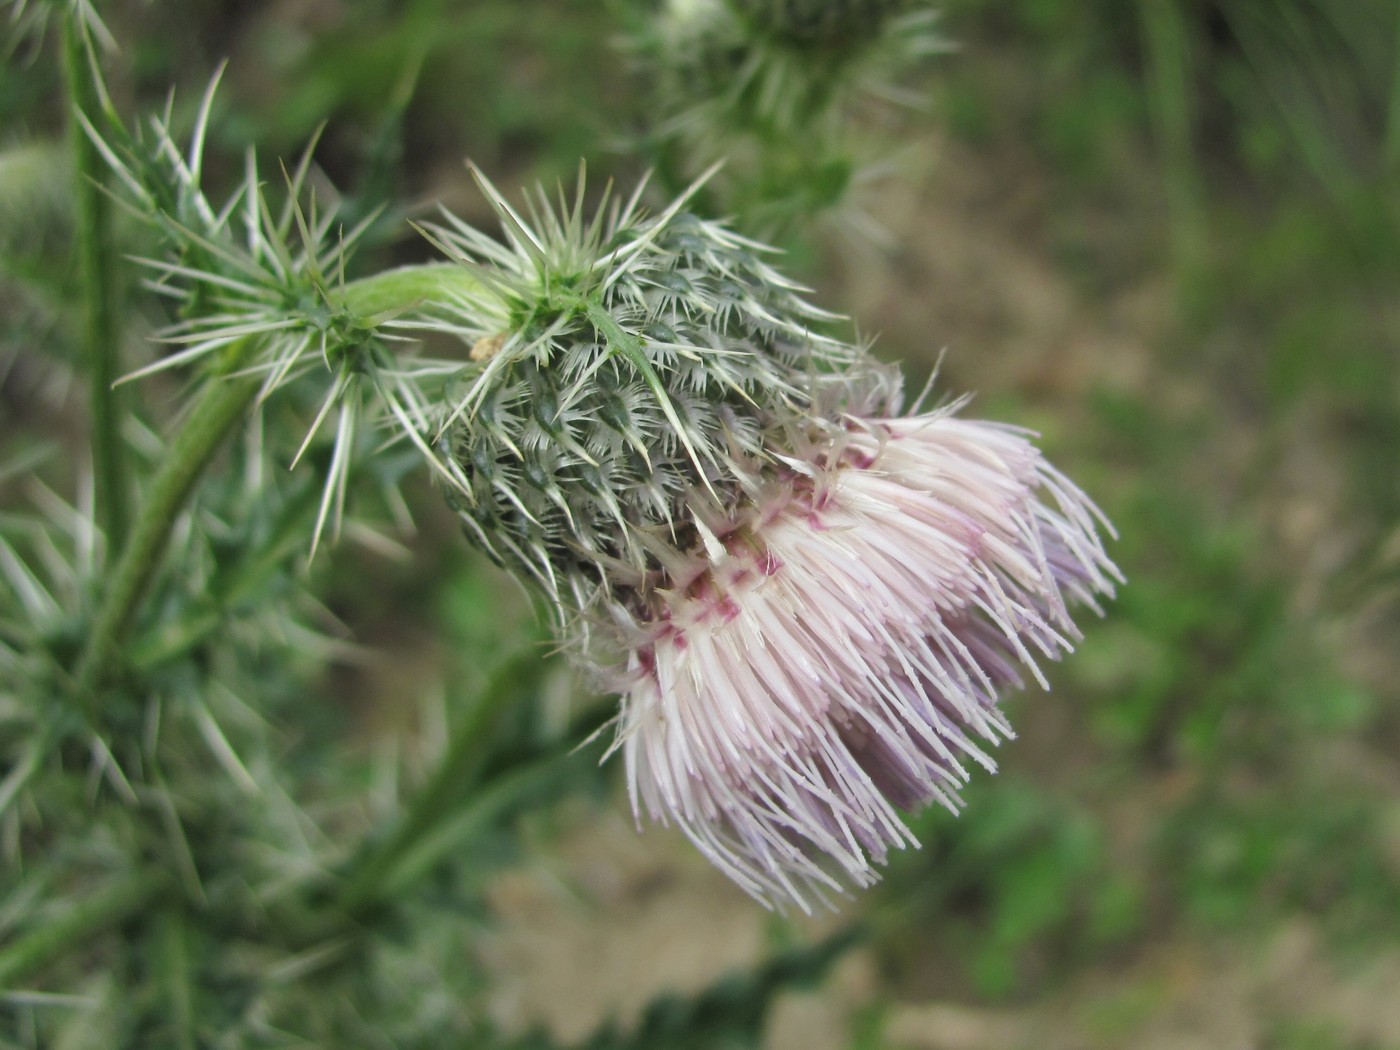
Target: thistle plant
point(810, 603)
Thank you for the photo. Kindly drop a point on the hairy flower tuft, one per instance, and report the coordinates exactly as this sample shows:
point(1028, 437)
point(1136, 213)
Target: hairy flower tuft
point(843, 656)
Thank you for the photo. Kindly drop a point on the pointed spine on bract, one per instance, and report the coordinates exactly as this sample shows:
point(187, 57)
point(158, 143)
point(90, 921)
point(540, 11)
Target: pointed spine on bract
point(627, 368)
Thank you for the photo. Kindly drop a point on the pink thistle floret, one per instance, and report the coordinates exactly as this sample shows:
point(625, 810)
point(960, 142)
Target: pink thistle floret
point(837, 652)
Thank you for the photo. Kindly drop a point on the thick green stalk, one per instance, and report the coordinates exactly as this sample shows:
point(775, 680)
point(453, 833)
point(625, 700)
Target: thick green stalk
point(221, 403)
point(174, 967)
point(1169, 99)
point(98, 912)
point(527, 786)
point(97, 272)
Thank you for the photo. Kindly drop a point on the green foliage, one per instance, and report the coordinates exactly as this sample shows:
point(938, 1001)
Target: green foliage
point(1196, 682)
point(1239, 857)
point(1231, 698)
point(210, 826)
point(1018, 880)
point(1305, 1033)
point(1208, 680)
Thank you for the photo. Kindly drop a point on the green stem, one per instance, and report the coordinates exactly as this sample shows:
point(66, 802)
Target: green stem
point(79, 926)
point(176, 974)
point(398, 291)
point(1169, 98)
point(97, 277)
point(221, 403)
point(531, 785)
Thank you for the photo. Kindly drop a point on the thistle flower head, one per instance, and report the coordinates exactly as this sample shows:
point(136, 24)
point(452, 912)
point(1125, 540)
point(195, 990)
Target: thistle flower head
point(810, 604)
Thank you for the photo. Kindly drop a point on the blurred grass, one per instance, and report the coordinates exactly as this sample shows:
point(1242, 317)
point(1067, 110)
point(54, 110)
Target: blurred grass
point(1234, 719)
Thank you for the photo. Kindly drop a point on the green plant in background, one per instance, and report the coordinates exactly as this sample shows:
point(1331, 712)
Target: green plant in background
point(1023, 889)
point(789, 94)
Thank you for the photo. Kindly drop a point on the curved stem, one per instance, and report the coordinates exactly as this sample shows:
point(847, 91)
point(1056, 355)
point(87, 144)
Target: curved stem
point(221, 404)
point(1390, 144)
point(397, 291)
point(175, 968)
point(374, 867)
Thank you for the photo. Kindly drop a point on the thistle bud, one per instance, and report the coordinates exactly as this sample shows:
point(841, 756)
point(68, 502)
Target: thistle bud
point(627, 368)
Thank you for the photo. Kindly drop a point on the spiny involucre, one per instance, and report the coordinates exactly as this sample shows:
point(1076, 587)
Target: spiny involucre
point(810, 603)
point(630, 369)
